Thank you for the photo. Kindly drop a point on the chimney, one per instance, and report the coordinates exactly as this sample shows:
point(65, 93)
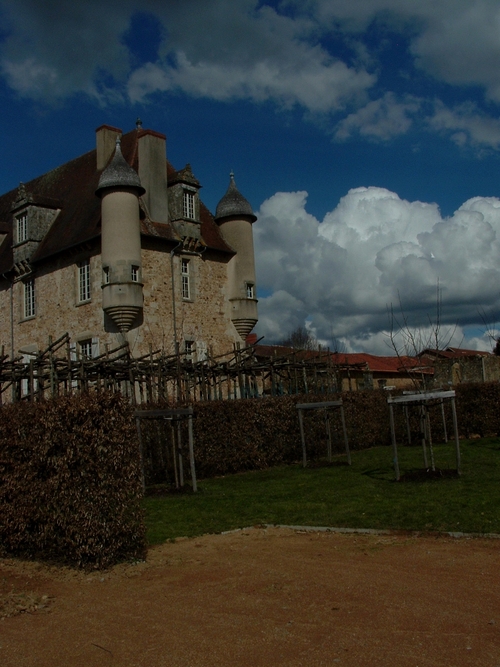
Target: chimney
point(105, 144)
point(153, 173)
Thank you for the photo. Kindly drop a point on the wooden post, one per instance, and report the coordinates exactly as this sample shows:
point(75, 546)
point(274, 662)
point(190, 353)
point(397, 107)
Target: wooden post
point(328, 436)
point(141, 453)
point(346, 441)
point(179, 450)
point(394, 444)
point(302, 437)
point(455, 428)
point(422, 435)
point(174, 455)
point(444, 421)
point(429, 438)
point(407, 419)
point(191, 451)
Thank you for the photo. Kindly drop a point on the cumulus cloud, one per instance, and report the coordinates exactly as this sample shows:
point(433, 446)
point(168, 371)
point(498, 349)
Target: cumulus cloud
point(372, 252)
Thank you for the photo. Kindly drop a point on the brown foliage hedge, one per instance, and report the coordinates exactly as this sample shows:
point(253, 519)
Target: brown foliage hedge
point(70, 481)
point(232, 436)
point(252, 434)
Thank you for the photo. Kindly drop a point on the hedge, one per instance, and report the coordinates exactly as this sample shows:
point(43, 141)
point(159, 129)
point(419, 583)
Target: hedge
point(70, 481)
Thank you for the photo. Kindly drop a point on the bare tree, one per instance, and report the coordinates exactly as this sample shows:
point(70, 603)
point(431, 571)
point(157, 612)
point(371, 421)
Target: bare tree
point(301, 339)
point(409, 342)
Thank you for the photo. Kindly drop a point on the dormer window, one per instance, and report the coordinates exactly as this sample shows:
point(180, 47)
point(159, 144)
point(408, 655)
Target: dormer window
point(188, 204)
point(22, 227)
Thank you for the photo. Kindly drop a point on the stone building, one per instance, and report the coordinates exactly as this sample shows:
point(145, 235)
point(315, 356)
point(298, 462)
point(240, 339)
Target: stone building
point(116, 246)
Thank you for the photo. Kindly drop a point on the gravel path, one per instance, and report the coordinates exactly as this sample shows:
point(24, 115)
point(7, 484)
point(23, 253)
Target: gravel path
point(262, 597)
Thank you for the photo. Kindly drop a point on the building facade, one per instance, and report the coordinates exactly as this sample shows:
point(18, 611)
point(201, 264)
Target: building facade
point(116, 246)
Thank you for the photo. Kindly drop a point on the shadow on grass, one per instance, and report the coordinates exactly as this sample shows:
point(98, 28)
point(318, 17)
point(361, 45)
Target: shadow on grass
point(163, 490)
point(426, 475)
point(326, 464)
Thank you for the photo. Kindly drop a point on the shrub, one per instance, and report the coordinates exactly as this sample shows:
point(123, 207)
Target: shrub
point(70, 481)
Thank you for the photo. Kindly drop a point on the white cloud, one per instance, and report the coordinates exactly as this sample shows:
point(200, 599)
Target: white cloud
point(373, 250)
point(456, 41)
point(69, 45)
point(467, 125)
point(380, 119)
point(246, 49)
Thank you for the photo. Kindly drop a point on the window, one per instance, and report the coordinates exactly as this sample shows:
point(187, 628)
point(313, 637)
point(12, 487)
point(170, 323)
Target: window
point(22, 227)
point(135, 273)
point(188, 204)
point(84, 281)
point(189, 349)
point(85, 348)
point(105, 275)
point(29, 298)
point(250, 290)
point(185, 278)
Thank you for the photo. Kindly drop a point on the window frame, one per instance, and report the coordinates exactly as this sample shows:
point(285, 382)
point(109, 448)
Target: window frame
point(134, 273)
point(189, 349)
point(22, 227)
point(250, 290)
point(85, 348)
point(188, 205)
point(29, 303)
point(84, 282)
point(186, 290)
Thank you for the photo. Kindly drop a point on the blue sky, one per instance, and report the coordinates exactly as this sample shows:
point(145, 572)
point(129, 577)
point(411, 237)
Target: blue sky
point(366, 136)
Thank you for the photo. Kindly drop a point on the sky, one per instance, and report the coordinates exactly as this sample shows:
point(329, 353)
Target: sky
point(365, 134)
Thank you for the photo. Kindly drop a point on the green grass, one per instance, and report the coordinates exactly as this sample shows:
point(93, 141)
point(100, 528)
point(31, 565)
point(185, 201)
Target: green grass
point(363, 495)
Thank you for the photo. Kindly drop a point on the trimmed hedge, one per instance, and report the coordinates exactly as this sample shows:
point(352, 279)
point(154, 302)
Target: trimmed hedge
point(233, 436)
point(70, 481)
point(251, 434)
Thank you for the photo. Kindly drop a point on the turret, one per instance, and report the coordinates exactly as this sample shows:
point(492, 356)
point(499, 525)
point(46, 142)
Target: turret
point(235, 217)
point(122, 299)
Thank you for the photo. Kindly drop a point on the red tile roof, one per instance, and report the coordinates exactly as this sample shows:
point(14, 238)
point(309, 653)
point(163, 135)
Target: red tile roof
point(452, 353)
point(356, 360)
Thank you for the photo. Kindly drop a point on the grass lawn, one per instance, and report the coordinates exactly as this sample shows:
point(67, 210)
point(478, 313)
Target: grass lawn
point(363, 495)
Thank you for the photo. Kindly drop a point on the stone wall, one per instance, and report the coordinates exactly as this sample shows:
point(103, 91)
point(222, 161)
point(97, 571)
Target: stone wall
point(204, 319)
point(450, 372)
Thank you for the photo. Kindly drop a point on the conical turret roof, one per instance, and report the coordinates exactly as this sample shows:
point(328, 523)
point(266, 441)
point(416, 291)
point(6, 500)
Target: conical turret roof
point(119, 174)
point(234, 203)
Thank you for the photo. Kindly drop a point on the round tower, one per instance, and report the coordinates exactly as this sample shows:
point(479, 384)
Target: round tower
point(235, 217)
point(119, 189)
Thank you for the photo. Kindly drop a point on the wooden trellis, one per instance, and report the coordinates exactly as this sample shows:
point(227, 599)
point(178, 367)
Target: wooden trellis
point(175, 417)
point(159, 377)
point(326, 407)
point(423, 402)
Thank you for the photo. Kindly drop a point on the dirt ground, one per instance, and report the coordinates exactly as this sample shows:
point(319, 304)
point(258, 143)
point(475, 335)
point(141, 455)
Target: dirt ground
point(262, 597)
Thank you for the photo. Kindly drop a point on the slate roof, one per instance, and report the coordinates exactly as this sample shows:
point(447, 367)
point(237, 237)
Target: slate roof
point(72, 187)
point(233, 203)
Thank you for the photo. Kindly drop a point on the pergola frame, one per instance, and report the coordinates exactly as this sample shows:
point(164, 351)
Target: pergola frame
point(326, 406)
point(424, 400)
point(178, 416)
